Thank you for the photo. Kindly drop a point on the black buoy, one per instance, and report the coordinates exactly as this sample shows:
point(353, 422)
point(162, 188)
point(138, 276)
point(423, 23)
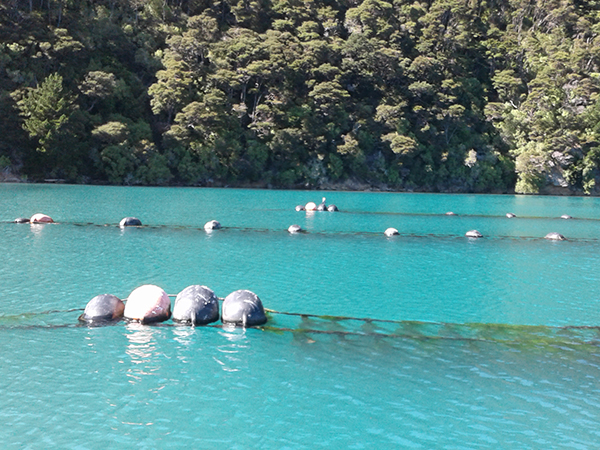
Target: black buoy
point(196, 305)
point(322, 206)
point(103, 308)
point(243, 308)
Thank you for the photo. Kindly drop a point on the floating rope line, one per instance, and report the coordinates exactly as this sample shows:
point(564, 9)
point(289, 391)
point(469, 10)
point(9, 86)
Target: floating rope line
point(400, 235)
point(329, 325)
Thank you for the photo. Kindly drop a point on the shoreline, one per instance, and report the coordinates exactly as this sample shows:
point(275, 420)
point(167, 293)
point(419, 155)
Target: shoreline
point(346, 186)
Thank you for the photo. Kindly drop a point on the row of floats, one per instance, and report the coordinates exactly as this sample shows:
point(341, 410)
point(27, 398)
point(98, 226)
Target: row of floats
point(293, 229)
point(195, 305)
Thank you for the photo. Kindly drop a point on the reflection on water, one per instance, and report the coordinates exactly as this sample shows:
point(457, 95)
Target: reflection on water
point(229, 353)
point(142, 351)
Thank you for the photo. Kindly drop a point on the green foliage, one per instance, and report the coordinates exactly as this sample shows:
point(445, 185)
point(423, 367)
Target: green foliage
point(439, 95)
point(46, 110)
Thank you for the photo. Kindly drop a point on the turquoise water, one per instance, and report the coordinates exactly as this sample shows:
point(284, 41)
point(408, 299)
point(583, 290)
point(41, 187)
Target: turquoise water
point(473, 344)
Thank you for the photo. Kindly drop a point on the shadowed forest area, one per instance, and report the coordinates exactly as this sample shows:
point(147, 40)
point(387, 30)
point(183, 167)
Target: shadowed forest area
point(437, 95)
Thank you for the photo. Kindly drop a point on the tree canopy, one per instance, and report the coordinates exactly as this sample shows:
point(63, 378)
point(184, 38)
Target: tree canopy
point(435, 95)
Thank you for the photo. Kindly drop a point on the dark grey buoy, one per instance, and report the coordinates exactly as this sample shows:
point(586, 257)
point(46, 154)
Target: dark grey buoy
point(332, 208)
point(212, 225)
point(510, 215)
point(293, 229)
point(130, 222)
point(243, 308)
point(21, 220)
point(196, 305)
point(391, 232)
point(473, 234)
point(103, 308)
point(555, 237)
point(566, 216)
point(322, 206)
point(300, 208)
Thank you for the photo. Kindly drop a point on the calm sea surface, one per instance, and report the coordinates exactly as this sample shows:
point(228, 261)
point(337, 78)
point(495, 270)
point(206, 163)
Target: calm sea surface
point(470, 344)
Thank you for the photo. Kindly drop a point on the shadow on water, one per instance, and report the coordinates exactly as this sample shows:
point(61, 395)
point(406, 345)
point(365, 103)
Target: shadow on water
point(309, 327)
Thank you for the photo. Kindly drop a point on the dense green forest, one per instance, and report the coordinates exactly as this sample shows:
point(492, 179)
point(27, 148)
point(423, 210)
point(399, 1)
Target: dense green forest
point(433, 95)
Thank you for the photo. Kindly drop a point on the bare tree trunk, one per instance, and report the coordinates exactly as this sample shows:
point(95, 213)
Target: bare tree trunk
point(60, 9)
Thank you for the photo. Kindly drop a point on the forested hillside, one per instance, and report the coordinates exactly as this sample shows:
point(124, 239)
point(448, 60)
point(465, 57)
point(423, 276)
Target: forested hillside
point(438, 95)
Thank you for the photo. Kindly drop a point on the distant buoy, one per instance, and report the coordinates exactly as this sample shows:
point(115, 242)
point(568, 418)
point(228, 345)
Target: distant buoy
point(212, 225)
point(147, 304)
point(450, 213)
point(322, 206)
point(293, 229)
point(310, 206)
point(130, 222)
point(299, 207)
point(566, 216)
point(332, 208)
point(196, 305)
point(391, 232)
point(473, 234)
point(555, 237)
point(21, 220)
point(510, 215)
point(41, 218)
point(103, 308)
point(243, 308)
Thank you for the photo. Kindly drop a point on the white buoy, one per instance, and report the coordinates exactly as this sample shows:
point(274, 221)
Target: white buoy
point(555, 237)
point(41, 218)
point(148, 303)
point(293, 229)
point(212, 225)
point(566, 216)
point(391, 232)
point(310, 206)
point(510, 215)
point(473, 234)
